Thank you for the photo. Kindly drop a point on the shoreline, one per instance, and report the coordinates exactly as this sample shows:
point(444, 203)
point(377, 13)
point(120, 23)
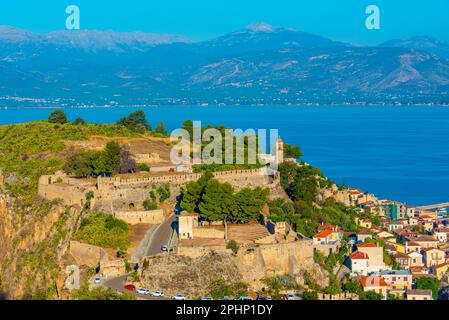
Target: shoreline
point(225, 106)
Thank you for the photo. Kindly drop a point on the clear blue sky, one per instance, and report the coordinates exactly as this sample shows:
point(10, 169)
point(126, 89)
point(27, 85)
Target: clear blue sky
point(202, 19)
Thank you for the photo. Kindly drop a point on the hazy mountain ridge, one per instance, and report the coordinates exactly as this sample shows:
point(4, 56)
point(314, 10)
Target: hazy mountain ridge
point(260, 64)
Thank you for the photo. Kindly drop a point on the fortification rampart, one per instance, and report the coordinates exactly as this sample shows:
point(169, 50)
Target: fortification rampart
point(112, 194)
point(136, 217)
point(199, 251)
point(86, 254)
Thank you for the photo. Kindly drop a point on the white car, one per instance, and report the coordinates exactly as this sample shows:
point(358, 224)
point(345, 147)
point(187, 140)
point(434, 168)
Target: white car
point(143, 291)
point(97, 280)
point(178, 297)
point(290, 296)
point(244, 298)
point(157, 294)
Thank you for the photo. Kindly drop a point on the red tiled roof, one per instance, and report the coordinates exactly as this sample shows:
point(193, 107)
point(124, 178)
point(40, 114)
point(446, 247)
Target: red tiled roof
point(323, 234)
point(367, 245)
point(328, 227)
point(373, 282)
point(358, 256)
point(399, 255)
point(413, 244)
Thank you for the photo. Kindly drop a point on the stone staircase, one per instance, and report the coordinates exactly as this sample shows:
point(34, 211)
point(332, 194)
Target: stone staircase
point(247, 232)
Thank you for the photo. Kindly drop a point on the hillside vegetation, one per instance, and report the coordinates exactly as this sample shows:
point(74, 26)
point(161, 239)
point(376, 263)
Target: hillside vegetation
point(30, 150)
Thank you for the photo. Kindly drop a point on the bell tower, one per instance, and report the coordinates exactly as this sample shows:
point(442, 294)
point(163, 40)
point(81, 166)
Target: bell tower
point(279, 151)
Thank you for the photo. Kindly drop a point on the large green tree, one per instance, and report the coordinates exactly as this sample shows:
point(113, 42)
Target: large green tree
point(80, 163)
point(192, 194)
point(109, 161)
point(136, 121)
point(161, 129)
point(83, 163)
point(57, 116)
point(217, 201)
point(292, 151)
point(248, 204)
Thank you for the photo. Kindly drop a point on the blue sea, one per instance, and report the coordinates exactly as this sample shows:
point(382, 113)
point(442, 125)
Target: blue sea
point(398, 153)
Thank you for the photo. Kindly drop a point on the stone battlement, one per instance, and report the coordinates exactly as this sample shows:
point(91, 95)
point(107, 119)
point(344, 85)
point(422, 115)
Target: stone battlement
point(177, 178)
point(122, 192)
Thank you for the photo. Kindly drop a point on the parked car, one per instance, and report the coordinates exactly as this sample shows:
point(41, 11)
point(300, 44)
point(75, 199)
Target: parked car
point(290, 296)
point(207, 298)
point(97, 280)
point(264, 298)
point(164, 249)
point(178, 297)
point(130, 287)
point(244, 298)
point(157, 294)
point(143, 291)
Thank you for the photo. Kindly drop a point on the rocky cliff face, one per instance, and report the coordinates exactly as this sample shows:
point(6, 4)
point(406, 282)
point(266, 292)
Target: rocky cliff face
point(33, 240)
point(269, 261)
point(191, 276)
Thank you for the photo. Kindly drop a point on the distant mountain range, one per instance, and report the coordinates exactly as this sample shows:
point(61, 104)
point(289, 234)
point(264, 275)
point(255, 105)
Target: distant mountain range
point(260, 64)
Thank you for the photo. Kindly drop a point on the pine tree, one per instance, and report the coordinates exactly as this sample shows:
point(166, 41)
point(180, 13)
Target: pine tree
point(217, 201)
point(57, 116)
point(160, 128)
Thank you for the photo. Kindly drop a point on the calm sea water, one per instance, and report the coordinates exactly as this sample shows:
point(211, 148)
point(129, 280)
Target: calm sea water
point(399, 153)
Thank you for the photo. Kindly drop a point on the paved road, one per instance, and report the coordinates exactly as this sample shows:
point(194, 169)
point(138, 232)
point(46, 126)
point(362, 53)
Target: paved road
point(118, 284)
point(161, 236)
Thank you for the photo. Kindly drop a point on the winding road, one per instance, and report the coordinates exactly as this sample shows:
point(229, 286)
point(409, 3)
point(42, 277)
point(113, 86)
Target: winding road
point(161, 236)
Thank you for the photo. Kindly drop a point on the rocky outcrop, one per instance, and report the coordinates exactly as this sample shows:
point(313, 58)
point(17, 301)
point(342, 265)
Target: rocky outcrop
point(86, 254)
point(191, 276)
point(33, 241)
point(273, 260)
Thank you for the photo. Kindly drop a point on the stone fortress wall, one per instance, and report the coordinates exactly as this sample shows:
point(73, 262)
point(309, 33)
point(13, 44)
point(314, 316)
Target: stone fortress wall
point(130, 191)
point(136, 217)
point(71, 191)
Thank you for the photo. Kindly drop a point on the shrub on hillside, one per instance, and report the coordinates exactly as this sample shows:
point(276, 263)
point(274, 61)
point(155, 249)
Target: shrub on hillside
point(104, 230)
